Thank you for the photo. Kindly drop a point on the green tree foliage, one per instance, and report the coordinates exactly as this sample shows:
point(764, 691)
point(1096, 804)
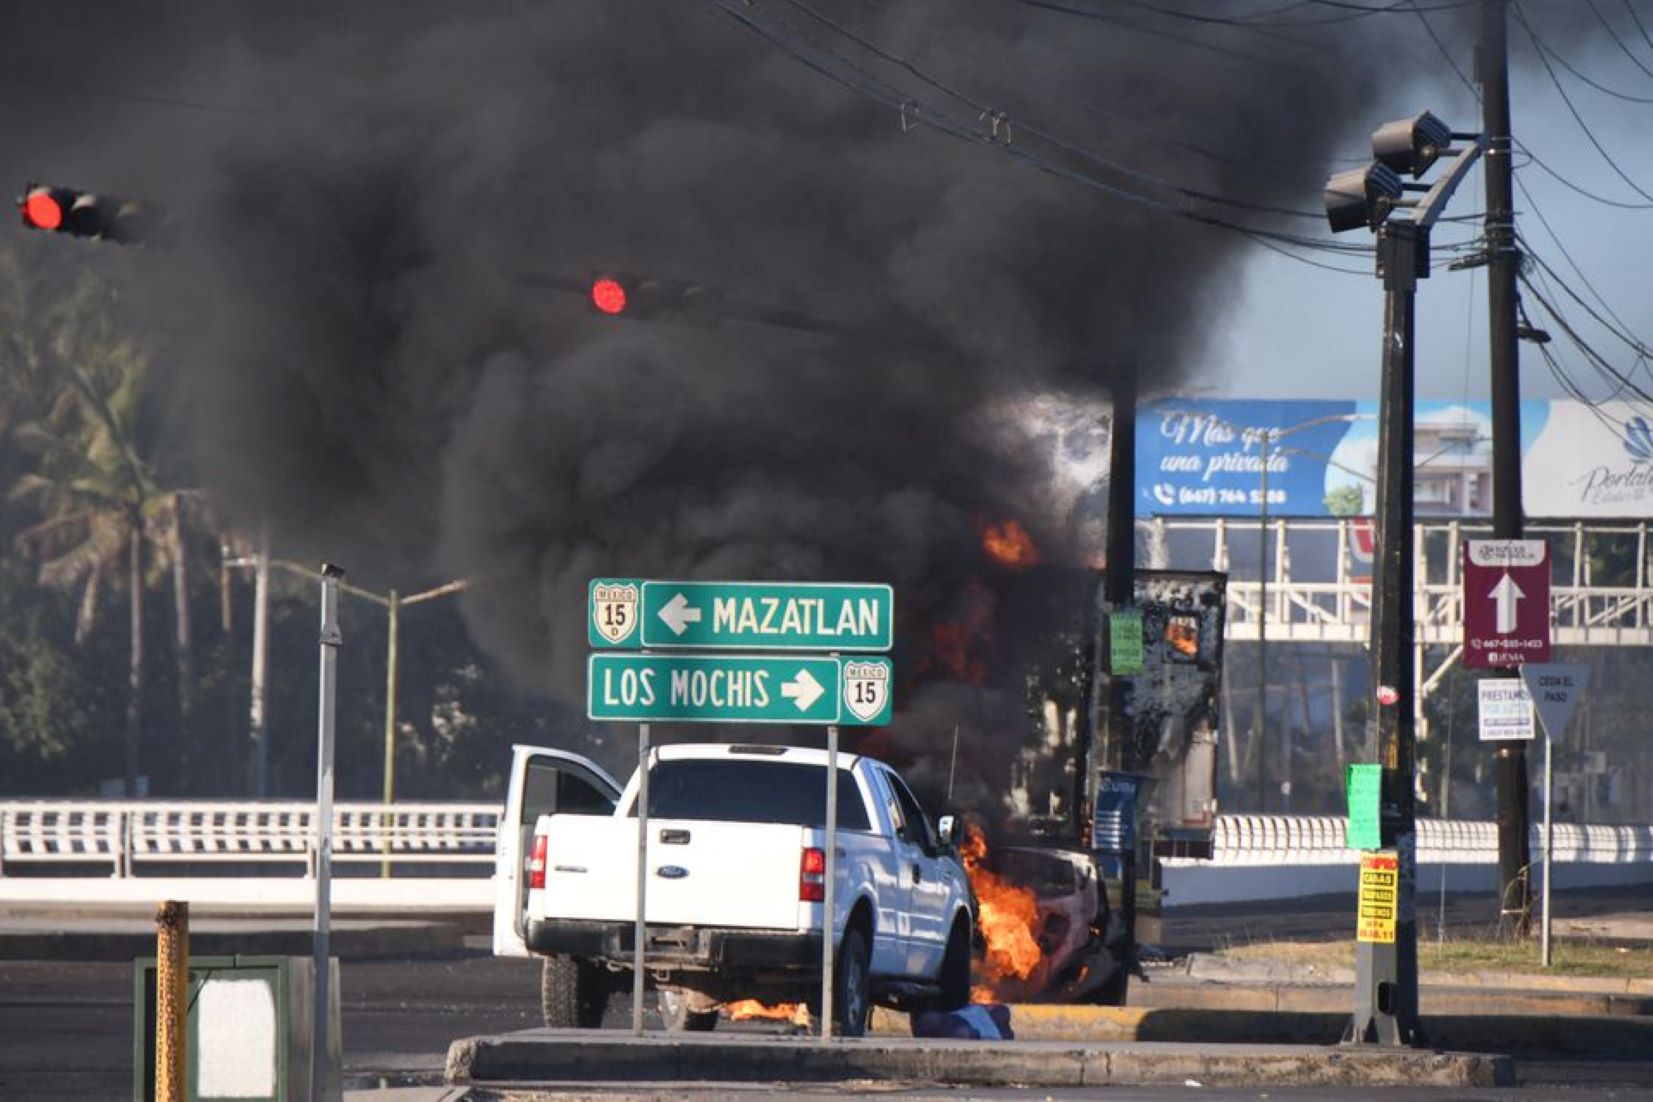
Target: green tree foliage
point(100, 513)
point(1344, 501)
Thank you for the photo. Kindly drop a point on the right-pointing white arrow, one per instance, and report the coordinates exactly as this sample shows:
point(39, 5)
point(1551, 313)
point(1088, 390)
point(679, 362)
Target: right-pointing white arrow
point(679, 614)
point(802, 690)
point(1507, 595)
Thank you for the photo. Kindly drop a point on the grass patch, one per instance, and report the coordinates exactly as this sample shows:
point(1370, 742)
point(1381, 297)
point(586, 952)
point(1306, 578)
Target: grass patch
point(1568, 958)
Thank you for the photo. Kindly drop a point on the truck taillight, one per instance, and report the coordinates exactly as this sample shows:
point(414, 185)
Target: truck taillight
point(812, 876)
point(536, 863)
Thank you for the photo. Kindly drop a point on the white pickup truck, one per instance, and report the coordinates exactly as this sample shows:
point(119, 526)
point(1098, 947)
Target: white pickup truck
point(735, 886)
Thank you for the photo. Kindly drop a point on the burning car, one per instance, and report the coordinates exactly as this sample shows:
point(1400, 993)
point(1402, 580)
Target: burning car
point(1048, 932)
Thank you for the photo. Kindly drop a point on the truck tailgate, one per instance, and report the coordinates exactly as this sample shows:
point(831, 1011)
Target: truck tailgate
point(701, 873)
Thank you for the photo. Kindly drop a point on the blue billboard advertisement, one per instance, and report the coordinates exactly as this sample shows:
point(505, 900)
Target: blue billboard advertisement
point(1205, 457)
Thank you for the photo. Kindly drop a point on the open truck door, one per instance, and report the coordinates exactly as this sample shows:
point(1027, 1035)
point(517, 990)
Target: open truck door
point(543, 782)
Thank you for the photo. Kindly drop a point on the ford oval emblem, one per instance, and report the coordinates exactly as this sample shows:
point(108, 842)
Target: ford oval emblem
point(672, 872)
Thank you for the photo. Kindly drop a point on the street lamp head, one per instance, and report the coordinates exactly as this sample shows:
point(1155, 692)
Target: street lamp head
point(1361, 197)
point(1411, 145)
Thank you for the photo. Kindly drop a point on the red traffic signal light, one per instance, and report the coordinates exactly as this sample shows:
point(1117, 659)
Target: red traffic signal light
point(43, 208)
point(632, 296)
point(608, 295)
point(84, 214)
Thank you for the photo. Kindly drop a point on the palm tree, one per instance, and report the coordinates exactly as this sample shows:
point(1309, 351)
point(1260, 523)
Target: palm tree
point(99, 496)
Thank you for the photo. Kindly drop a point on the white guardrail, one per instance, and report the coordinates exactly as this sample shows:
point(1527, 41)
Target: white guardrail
point(441, 853)
point(126, 835)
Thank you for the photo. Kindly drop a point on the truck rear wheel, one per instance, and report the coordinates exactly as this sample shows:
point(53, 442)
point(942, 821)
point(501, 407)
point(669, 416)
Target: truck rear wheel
point(852, 989)
point(573, 993)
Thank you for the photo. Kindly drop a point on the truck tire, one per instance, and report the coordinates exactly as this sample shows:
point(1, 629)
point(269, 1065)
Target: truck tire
point(675, 1012)
point(573, 993)
point(852, 987)
point(953, 979)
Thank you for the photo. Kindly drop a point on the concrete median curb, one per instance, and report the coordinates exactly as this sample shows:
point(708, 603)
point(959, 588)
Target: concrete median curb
point(1213, 967)
point(1471, 998)
point(1599, 1035)
point(545, 1056)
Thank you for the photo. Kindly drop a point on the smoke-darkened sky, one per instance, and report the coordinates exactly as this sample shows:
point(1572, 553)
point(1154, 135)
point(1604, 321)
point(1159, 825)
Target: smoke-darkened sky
point(360, 188)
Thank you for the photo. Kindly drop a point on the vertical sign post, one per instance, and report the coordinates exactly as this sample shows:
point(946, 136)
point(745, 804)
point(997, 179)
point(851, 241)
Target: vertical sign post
point(331, 640)
point(1555, 690)
point(640, 931)
point(827, 900)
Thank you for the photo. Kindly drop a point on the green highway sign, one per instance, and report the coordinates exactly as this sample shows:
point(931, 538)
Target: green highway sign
point(851, 691)
point(632, 613)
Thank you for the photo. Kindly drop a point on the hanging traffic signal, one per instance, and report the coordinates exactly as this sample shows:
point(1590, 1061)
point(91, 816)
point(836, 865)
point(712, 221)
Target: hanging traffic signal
point(608, 295)
point(622, 295)
point(84, 214)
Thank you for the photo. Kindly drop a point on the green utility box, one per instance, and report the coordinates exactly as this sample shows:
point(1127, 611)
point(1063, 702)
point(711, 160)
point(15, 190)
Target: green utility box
point(248, 1028)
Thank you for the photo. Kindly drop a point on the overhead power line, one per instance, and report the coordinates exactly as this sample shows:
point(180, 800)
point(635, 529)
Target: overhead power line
point(996, 130)
point(1544, 60)
point(1525, 150)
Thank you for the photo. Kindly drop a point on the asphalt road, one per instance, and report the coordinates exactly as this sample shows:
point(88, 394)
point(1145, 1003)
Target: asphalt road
point(66, 1033)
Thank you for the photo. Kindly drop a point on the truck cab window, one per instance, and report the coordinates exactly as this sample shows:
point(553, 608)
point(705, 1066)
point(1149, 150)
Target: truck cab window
point(916, 827)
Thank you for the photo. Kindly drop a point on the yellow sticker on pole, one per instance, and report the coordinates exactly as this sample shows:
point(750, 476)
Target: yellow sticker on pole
point(1379, 897)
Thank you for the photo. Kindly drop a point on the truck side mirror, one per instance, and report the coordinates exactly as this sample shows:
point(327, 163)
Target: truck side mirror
point(946, 828)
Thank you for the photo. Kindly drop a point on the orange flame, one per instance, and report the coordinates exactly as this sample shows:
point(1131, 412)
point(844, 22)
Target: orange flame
point(1008, 917)
point(743, 1009)
point(1010, 545)
point(957, 646)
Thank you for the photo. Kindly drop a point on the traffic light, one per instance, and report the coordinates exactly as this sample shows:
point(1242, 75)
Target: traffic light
point(84, 214)
point(1362, 197)
point(622, 295)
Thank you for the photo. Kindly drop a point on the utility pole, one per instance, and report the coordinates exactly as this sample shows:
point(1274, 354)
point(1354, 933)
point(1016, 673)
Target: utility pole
point(1503, 263)
point(1119, 595)
point(1386, 947)
point(1386, 995)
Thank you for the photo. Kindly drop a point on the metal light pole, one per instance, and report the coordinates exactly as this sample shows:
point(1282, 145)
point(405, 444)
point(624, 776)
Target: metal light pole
point(320, 1058)
point(1262, 633)
point(257, 718)
point(393, 603)
point(1388, 1012)
point(1386, 955)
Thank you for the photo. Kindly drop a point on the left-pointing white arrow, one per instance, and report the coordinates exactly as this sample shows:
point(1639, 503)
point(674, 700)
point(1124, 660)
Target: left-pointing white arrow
point(802, 690)
point(679, 614)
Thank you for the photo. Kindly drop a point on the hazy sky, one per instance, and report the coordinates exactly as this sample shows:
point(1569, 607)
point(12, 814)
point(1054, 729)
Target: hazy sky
point(1297, 331)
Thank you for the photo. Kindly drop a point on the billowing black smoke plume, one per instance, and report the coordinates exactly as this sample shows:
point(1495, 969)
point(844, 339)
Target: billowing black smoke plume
point(364, 186)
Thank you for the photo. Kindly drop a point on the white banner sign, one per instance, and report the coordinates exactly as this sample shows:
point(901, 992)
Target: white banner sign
point(1506, 710)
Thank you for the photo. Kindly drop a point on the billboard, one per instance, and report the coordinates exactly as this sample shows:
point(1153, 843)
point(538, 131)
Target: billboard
point(1204, 457)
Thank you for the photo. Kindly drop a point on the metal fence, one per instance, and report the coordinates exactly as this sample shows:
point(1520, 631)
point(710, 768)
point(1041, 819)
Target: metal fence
point(1299, 840)
point(132, 837)
point(127, 835)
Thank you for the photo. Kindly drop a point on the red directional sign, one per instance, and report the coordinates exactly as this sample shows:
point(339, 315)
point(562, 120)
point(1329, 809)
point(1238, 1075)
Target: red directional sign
point(1506, 603)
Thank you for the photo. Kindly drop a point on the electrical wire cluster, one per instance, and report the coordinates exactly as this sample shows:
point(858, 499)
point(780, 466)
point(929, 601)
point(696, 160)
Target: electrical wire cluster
point(918, 98)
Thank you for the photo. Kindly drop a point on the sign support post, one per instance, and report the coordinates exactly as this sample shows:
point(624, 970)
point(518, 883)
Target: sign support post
point(639, 933)
point(1555, 689)
point(827, 902)
point(1549, 844)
